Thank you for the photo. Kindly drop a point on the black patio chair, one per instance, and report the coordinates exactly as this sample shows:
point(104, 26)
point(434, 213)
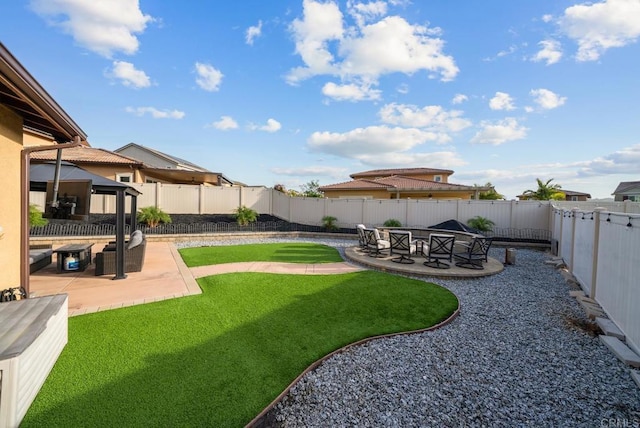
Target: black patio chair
point(440, 248)
point(401, 243)
point(474, 254)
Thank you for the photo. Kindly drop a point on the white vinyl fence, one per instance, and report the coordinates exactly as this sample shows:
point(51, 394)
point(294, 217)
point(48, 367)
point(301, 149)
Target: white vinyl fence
point(602, 250)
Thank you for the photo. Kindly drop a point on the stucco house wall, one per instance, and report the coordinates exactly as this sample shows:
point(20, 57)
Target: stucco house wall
point(11, 144)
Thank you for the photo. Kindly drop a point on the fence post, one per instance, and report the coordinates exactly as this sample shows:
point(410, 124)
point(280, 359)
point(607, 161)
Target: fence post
point(573, 236)
point(158, 198)
point(201, 199)
point(596, 244)
point(511, 212)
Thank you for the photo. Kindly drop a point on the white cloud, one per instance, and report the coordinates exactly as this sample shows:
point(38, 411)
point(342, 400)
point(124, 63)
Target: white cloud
point(373, 140)
point(209, 78)
point(393, 45)
point(501, 101)
point(225, 123)
point(500, 132)
point(625, 161)
point(597, 27)
point(364, 52)
point(129, 75)
point(547, 18)
point(432, 118)
point(366, 12)
point(403, 88)
point(322, 23)
point(546, 99)
point(253, 32)
point(350, 92)
point(328, 171)
point(415, 160)
point(102, 27)
point(459, 99)
point(272, 125)
point(550, 52)
point(155, 113)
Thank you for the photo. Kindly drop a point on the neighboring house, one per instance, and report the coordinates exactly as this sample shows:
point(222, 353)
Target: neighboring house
point(402, 183)
point(162, 167)
point(571, 195)
point(627, 191)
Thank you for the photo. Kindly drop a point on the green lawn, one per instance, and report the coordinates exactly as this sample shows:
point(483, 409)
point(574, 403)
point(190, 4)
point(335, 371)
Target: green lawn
point(278, 252)
point(219, 358)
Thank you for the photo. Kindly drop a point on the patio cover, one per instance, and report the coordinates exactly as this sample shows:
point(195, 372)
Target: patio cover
point(40, 174)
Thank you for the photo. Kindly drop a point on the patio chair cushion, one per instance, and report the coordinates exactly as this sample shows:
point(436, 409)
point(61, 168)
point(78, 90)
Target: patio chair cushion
point(136, 239)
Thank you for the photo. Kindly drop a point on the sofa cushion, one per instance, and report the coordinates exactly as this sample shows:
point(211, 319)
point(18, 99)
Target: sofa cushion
point(136, 239)
point(39, 254)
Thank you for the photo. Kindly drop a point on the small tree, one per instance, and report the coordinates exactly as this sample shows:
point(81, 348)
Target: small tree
point(152, 216)
point(312, 189)
point(245, 215)
point(329, 222)
point(392, 222)
point(35, 216)
point(490, 194)
point(481, 223)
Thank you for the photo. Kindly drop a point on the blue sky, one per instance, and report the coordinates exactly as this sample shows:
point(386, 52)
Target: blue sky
point(286, 92)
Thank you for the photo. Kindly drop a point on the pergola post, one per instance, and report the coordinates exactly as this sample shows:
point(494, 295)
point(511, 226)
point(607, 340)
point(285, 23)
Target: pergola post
point(120, 221)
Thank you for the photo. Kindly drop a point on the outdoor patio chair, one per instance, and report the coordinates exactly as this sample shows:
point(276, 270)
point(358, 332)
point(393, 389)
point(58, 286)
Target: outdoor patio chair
point(440, 248)
point(133, 256)
point(401, 243)
point(375, 244)
point(362, 240)
point(474, 254)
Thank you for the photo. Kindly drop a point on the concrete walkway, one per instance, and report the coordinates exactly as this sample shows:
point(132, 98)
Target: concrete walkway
point(273, 267)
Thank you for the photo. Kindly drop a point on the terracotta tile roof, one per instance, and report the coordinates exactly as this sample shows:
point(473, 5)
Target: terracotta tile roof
point(400, 171)
point(83, 154)
point(395, 183)
point(355, 185)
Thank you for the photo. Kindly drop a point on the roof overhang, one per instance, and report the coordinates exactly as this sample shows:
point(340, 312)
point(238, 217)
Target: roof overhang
point(187, 177)
point(23, 94)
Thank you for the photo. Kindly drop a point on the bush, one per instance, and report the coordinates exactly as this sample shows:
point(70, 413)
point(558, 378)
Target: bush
point(153, 216)
point(481, 223)
point(392, 222)
point(35, 216)
point(245, 215)
point(329, 222)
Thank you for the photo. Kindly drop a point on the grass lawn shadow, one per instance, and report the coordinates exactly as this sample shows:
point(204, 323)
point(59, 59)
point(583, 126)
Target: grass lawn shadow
point(219, 358)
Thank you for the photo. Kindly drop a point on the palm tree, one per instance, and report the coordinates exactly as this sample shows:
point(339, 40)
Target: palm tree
point(546, 191)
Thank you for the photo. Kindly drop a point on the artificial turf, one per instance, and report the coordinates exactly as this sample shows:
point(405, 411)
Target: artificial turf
point(275, 252)
point(219, 358)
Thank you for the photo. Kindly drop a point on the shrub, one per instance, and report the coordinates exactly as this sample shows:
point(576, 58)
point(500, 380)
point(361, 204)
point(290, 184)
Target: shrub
point(245, 215)
point(392, 222)
point(329, 222)
point(153, 216)
point(35, 216)
point(481, 223)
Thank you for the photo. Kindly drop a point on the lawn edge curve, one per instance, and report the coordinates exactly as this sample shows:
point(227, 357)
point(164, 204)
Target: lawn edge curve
point(262, 419)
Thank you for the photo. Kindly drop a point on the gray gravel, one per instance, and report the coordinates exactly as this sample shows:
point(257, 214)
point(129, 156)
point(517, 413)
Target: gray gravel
point(516, 356)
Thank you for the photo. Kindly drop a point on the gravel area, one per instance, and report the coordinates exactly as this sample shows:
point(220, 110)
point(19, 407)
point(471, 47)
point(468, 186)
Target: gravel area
point(521, 353)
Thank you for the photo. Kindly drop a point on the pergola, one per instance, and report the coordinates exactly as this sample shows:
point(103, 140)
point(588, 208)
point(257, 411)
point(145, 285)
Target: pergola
point(40, 174)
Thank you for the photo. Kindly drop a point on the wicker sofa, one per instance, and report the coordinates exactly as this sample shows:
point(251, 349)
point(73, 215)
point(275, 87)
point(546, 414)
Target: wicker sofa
point(105, 260)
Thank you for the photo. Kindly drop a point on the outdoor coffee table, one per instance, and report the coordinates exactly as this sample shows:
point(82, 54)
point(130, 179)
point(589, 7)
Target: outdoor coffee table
point(80, 251)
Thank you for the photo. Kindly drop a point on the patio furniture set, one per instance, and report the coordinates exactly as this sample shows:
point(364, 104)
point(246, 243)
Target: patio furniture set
point(439, 249)
point(77, 257)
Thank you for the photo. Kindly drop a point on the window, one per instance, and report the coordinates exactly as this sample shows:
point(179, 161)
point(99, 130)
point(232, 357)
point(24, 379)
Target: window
point(574, 198)
point(150, 180)
point(437, 178)
point(124, 178)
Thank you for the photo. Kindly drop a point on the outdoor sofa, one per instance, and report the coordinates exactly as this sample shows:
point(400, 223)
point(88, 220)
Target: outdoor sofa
point(105, 260)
